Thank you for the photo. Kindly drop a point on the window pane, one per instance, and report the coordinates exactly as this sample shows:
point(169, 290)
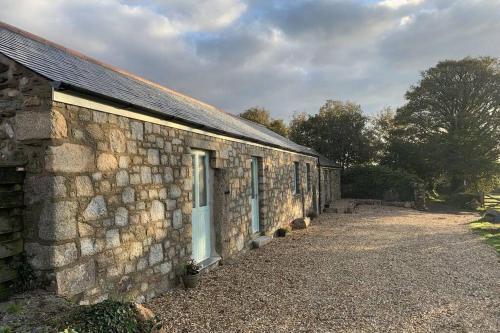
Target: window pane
point(253, 178)
point(297, 177)
point(193, 179)
point(308, 170)
point(202, 181)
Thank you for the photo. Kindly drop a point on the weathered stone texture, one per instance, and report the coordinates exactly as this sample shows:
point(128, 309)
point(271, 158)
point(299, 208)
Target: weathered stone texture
point(95, 209)
point(58, 221)
point(76, 279)
point(117, 196)
point(69, 157)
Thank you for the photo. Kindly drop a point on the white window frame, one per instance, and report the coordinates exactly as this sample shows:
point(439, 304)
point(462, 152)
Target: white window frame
point(308, 178)
point(296, 178)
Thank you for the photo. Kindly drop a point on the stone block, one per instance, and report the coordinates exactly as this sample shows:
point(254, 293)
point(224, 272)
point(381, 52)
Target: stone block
point(51, 256)
point(69, 157)
point(85, 230)
point(96, 209)
point(124, 162)
point(177, 219)
point(153, 156)
point(137, 130)
point(157, 210)
point(174, 191)
point(128, 195)
point(106, 162)
point(171, 204)
point(145, 175)
point(261, 241)
point(58, 221)
point(112, 238)
point(122, 178)
point(155, 254)
point(91, 246)
point(84, 186)
point(168, 175)
point(121, 217)
point(118, 142)
point(95, 132)
point(135, 250)
point(40, 125)
point(45, 187)
point(301, 223)
point(74, 280)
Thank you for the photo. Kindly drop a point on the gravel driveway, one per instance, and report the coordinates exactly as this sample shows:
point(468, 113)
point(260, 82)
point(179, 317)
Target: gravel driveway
point(381, 269)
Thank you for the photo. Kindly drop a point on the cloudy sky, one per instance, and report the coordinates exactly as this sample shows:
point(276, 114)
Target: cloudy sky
point(284, 55)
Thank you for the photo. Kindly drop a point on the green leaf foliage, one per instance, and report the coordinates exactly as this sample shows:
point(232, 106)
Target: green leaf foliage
point(449, 129)
point(108, 316)
point(339, 131)
point(374, 182)
point(263, 117)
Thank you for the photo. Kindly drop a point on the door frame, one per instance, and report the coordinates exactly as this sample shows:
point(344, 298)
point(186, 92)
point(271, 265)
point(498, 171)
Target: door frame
point(196, 200)
point(255, 193)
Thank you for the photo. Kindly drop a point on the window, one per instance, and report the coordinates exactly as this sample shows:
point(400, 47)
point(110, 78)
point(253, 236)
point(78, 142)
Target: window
point(308, 178)
point(296, 178)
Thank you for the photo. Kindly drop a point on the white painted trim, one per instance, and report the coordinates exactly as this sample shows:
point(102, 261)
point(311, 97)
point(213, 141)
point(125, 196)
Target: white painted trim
point(68, 98)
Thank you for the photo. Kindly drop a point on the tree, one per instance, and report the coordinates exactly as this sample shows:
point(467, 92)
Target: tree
point(450, 125)
point(383, 125)
point(279, 126)
point(339, 131)
point(257, 115)
point(262, 116)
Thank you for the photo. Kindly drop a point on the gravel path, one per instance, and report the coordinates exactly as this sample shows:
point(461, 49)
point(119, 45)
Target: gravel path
point(381, 269)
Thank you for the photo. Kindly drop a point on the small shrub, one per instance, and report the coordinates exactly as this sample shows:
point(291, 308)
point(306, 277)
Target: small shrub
point(6, 329)
point(26, 278)
point(189, 267)
point(108, 316)
point(14, 308)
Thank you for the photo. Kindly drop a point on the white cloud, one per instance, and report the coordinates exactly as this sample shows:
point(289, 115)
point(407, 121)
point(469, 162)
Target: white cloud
point(405, 20)
point(284, 55)
point(395, 4)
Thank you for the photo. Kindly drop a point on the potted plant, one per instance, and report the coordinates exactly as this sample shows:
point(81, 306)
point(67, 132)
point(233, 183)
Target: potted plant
point(190, 274)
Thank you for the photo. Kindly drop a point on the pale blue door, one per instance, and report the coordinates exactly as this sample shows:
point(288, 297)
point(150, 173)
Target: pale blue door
point(201, 233)
point(255, 196)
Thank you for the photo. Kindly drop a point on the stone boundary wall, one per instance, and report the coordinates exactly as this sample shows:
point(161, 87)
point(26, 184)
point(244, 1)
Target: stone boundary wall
point(108, 198)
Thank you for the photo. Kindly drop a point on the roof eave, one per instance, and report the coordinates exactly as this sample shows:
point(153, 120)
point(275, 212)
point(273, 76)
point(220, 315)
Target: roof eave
point(62, 86)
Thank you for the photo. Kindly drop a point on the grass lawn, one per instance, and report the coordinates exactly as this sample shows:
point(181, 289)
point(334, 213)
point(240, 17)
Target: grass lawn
point(489, 231)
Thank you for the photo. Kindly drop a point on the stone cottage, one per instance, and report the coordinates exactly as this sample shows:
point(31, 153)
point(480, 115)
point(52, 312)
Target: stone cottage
point(122, 179)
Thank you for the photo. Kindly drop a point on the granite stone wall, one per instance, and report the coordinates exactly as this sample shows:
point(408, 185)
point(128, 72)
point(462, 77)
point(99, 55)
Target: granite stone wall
point(108, 199)
point(109, 208)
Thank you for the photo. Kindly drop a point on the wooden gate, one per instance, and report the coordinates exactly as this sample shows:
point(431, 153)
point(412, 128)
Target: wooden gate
point(490, 200)
point(11, 224)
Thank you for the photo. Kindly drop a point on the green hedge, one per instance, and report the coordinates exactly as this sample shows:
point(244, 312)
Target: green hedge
point(375, 182)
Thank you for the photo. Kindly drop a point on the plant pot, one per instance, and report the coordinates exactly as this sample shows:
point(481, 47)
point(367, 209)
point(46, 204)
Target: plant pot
point(191, 280)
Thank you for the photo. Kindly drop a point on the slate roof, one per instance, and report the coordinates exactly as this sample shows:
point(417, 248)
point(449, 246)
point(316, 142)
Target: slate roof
point(75, 71)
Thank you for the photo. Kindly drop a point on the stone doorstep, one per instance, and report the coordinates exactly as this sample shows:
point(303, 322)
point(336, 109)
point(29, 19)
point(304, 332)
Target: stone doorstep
point(261, 241)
